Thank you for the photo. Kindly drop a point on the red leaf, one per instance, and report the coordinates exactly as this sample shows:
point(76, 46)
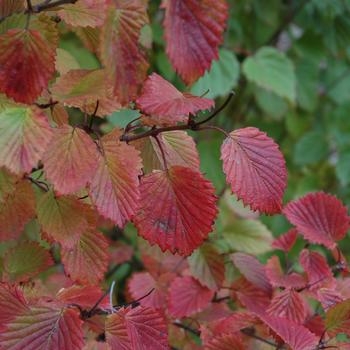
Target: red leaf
point(193, 32)
point(17, 209)
point(166, 104)
point(115, 186)
point(141, 283)
point(25, 260)
point(8, 7)
point(25, 134)
point(120, 50)
point(177, 209)
point(64, 218)
point(288, 304)
point(84, 296)
point(296, 336)
point(255, 169)
point(87, 260)
point(187, 297)
point(251, 268)
point(44, 327)
point(12, 303)
point(279, 279)
point(178, 147)
point(136, 329)
point(328, 297)
point(226, 342)
point(27, 63)
point(316, 267)
point(286, 241)
point(320, 217)
point(71, 159)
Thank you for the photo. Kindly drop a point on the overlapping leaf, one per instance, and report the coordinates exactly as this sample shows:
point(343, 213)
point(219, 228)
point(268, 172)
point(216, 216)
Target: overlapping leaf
point(27, 63)
point(320, 217)
point(286, 241)
point(255, 169)
point(289, 304)
point(44, 327)
point(8, 7)
point(115, 186)
point(64, 218)
point(26, 260)
point(119, 48)
point(134, 329)
point(83, 88)
point(24, 136)
point(296, 336)
point(187, 297)
point(187, 22)
point(226, 342)
point(87, 260)
point(252, 269)
point(277, 277)
point(70, 160)
point(16, 210)
point(208, 266)
point(316, 267)
point(167, 105)
point(84, 13)
point(177, 209)
point(338, 319)
point(179, 149)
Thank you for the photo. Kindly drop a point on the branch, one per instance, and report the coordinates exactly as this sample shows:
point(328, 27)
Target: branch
point(286, 22)
point(250, 332)
point(191, 125)
point(49, 5)
point(187, 328)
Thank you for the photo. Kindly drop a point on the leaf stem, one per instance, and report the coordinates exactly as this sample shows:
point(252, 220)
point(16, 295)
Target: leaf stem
point(49, 5)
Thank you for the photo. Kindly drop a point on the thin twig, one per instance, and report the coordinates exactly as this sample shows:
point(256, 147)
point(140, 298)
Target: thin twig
point(29, 6)
point(49, 5)
point(134, 303)
point(93, 115)
point(250, 332)
point(46, 105)
point(161, 151)
point(42, 185)
point(187, 328)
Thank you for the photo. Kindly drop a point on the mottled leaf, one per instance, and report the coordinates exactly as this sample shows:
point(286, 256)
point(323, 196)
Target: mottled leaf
point(87, 260)
point(24, 136)
point(70, 160)
point(338, 319)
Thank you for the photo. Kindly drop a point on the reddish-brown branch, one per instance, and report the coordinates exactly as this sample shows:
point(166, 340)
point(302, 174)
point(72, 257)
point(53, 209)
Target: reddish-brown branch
point(49, 5)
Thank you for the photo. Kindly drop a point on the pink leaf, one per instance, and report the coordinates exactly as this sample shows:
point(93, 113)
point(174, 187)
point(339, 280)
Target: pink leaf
point(166, 104)
point(187, 297)
point(320, 217)
point(296, 336)
point(177, 209)
point(226, 342)
point(255, 169)
point(289, 304)
point(193, 32)
point(286, 241)
point(136, 329)
point(44, 327)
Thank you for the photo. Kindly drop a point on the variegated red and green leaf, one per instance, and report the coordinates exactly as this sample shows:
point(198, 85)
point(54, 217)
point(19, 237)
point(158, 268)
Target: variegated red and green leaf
point(64, 218)
point(120, 50)
point(24, 136)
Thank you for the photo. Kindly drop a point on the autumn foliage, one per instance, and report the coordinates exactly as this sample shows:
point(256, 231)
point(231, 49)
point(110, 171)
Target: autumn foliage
point(195, 284)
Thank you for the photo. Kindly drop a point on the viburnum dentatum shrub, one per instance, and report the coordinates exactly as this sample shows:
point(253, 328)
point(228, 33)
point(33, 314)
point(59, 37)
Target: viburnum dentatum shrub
point(69, 186)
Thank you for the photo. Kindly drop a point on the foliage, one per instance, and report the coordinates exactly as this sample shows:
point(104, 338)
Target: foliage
point(134, 215)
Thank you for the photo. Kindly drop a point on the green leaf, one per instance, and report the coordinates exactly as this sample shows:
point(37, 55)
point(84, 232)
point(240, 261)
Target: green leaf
point(343, 168)
point(248, 236)
point(311, 148)
point(338, 319)
point(272, 70)
point(222, 77)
